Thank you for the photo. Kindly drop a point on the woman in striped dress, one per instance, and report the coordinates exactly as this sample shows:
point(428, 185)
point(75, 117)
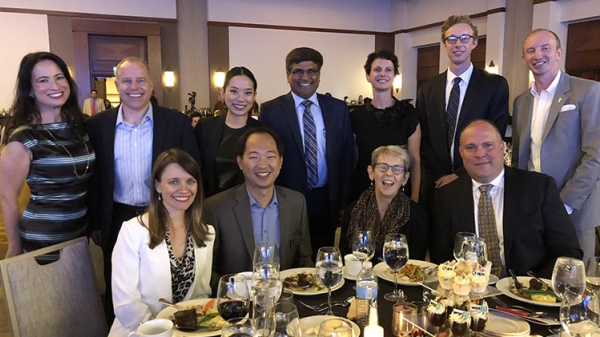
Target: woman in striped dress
point(48, 147)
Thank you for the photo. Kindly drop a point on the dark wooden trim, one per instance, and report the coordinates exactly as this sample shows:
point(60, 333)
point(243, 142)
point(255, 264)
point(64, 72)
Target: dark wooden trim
point(535, 2)
point(439, 24)
point(116, 28)
point(304, 29)
point(86, 15)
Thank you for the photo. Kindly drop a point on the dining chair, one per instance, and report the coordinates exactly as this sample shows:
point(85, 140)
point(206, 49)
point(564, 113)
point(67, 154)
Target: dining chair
point(56, 299)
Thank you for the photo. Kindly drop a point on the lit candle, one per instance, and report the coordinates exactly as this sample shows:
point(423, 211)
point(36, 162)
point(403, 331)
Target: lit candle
point(373, 329)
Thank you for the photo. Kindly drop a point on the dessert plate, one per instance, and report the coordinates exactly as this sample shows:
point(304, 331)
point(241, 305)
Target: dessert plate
point(309, 291)
point(382, 271)
point(314, 321)
point(501, 324)
point(504, 286)
point(167, 313)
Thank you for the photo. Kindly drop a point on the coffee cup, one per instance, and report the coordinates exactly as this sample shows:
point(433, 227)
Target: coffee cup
point(154, 328)
point(353, 265)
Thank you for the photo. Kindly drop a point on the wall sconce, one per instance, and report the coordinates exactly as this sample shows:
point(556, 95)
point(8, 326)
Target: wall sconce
point(169, 79)
point(398, 82)
point(492, 68)
point(219, 78)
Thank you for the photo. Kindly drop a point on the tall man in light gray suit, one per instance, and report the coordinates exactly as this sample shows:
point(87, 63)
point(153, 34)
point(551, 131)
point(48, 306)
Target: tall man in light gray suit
point(258, 210)
point(556, 130)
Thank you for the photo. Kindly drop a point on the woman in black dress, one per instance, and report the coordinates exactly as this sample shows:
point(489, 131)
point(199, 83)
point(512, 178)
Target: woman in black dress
point(217, 137)
point(385, 121)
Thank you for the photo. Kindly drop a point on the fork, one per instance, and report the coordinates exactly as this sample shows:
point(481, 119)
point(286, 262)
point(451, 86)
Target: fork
point(323, 306)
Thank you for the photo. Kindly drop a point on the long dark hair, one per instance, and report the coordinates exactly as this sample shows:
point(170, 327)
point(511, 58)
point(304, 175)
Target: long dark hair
point(24, 109)
point(158, 216)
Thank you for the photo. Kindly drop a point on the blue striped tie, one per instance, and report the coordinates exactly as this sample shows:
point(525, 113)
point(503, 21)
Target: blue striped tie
point(310, 146)
point(452, 111)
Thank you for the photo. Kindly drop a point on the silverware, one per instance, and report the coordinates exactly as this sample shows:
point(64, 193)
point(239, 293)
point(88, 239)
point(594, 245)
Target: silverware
point(323, 306)
point(164, 301)
point(518, 285)
point(499, 301)
point(530, 312)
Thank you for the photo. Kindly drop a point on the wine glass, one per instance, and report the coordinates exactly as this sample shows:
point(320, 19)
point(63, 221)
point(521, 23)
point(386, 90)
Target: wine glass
point(458, 243)
point(287, 320)
point(395, 255)
point(329, 270)
point(266, 259)
point(568, 279)
point(592, 275)
point(238, 327)
point(474, 249)
point(233, 296)
point(335, 327)
point(363, 246)
point(580, 317)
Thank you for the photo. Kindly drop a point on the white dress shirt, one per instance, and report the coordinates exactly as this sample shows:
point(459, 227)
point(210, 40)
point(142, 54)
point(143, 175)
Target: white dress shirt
point(321, 135)
point(497, 194)
point(464, 83)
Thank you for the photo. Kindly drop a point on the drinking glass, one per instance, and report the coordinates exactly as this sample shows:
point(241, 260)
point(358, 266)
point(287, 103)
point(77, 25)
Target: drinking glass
point(592, 275)
point(238, 327)
point(266, 259)
point(329, 270)
point(475, 250)
point(287, 320)
point(363, 246)
point(335, 327)
point(233, 296)
point(395, 255)
point(458, 243)
point(580, 317)
point(568, 279)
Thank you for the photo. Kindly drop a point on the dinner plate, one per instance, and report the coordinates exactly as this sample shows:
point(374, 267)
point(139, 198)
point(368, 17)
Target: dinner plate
point(309, 292)
point(504, 286)
point(501, 324)
point(381, 270)
point(167, 313)
point(348, 276)
point(314, 321)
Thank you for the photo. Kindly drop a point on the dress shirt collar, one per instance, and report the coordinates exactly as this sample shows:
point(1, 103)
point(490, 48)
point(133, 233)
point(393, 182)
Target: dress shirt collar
point(273, 201)
point(298, 100)
point(497, 182)
point(149, 114)
point(465, 77)
point(551, 88)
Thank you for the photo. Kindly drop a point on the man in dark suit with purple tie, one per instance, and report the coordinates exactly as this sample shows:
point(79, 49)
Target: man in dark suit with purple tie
point(318, 143)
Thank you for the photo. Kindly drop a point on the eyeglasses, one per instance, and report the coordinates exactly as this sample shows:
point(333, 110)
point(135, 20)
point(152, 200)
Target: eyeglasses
point(300, 72)
point(396, 169)
point(463, 38)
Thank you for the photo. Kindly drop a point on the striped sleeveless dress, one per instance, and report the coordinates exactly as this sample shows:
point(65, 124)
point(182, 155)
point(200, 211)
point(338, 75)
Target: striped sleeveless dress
point(57, 210)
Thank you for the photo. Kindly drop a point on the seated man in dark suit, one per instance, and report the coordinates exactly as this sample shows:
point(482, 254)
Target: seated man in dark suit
point(258, 211)
point(518, 213)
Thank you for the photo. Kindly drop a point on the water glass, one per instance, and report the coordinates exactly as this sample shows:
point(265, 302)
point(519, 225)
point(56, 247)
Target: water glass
point(287, 320)
point(287, 296)
point(568, 279)
point(458, 243)
point(592, 274)
point(266, 259)
point(238, 327)
point(263, 316)
point(329, 270)
point(363, 245)
point(580, 318)
point(475, 250)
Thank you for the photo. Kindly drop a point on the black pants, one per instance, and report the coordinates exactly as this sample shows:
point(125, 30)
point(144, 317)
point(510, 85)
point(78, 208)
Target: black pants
point(322, 224)
point(121, 213)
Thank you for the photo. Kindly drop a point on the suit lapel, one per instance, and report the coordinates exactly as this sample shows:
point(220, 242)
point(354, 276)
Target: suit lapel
point(109, 145)
point(328, 122)
point(470, 97)
point(511, 204)
point(290, 112)
point(440, 105)
point(243, 217)
point(466, 215)
point(560, 98)
point(161, 125)
point(285, 218)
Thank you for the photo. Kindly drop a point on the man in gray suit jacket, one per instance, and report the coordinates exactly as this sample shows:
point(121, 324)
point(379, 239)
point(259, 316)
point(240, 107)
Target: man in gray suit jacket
point(557, 131)
point(258, 211)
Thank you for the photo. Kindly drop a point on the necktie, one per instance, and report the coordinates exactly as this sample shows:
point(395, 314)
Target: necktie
point(93, 101)
point(310, 146)
point(487, 228)
point(452, 111)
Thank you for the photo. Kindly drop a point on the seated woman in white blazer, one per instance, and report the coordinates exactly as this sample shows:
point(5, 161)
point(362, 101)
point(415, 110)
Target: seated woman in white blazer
point(167, 251)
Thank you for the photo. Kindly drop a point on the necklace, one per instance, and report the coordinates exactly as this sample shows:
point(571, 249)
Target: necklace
point(69, 153)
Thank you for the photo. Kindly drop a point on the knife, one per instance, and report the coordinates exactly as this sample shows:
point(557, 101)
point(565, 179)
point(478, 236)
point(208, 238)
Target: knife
point(535, 320)
point(518, 285)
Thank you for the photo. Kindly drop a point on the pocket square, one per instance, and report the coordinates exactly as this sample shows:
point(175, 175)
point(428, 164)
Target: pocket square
point(567, 107)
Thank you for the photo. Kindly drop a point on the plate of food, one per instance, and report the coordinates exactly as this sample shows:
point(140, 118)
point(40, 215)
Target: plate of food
point(532, 292)
point(202, 310)
point(303, 281)
point(310, 325)
point(412, 274)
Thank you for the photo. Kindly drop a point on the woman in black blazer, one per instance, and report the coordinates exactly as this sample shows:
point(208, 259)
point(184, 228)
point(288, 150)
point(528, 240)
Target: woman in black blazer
point(217, 137)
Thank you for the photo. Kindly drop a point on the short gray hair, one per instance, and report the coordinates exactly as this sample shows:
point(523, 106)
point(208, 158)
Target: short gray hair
point(392, 150)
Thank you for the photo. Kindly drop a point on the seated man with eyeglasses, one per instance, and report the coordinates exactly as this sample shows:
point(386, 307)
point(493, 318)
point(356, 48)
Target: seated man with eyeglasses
point(383, 209)
point(452, 99)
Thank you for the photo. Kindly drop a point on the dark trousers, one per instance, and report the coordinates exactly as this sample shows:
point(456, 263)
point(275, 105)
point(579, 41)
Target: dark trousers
point(121, 213)
point(321, 223)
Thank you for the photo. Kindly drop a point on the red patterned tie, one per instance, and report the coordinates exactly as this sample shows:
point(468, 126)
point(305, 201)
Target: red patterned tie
point(93, 106)
point(487, 228)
